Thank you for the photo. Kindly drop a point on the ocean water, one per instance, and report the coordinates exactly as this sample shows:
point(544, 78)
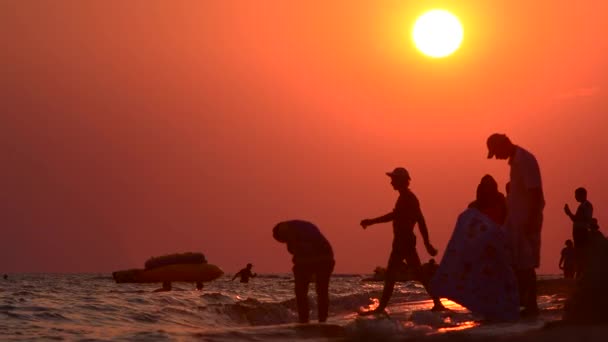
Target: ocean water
point(92, 307)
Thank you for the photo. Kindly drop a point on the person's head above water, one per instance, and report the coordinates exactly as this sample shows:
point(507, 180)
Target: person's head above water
point(249, 266)
point(400, 178)
point(499, 146)
point(569, 243)
point(580, 194)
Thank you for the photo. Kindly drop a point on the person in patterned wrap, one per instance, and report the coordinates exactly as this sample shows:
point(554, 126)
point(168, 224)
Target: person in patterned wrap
point(476, 270)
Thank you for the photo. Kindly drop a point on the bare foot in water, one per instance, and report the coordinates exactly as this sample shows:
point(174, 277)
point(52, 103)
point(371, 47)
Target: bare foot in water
point(377, 311)
point(439, 307)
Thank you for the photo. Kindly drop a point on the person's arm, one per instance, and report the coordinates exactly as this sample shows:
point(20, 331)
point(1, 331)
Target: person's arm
point(236, 275)
point(424, 232)
point(381, 219)
point(536, 205)
point(561, 261)
point(533, 184)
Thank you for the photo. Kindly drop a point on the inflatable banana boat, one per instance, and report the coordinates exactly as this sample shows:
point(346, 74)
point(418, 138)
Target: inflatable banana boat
point(183, 267)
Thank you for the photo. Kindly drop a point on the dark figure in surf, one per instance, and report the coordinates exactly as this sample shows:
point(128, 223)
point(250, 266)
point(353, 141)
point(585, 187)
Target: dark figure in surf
point(567, 261)
point(245, 274)
point(581, 222)
point(587, 304)
point(429, 269)
point(166, 287)
point(405, 216)
point(199, 285)
point(313, 258)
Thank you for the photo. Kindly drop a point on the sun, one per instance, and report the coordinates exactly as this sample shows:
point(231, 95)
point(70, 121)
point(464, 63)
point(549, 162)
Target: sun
point(437, 33)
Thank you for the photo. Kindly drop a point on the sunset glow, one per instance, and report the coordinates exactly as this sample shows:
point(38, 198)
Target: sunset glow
point(149, 128)
point(437, 33)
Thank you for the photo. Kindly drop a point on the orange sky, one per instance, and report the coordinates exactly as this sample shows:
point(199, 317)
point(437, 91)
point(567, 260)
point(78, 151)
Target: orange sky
point(138, 128)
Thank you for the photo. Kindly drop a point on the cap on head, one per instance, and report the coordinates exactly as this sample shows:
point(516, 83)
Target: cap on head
point(249, 265)
point(494, 142)
point(399, 173)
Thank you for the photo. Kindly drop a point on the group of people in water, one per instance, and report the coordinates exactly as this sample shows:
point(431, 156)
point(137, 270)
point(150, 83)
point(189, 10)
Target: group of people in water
point(489, 265)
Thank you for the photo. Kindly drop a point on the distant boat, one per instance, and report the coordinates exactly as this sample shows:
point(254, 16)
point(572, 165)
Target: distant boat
point(380, 272)
point(405, 273)
point(179, 267)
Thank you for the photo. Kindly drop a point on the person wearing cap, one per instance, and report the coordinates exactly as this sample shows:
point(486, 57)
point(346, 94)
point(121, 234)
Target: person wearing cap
point(245, 274)
point(405, 216)
point(581, 223)
point(313, 258)
point(525, 204)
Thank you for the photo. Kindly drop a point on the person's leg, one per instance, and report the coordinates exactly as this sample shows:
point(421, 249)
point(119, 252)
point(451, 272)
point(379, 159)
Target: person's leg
point(531, 302)
point(521, 286)
point(413, 261)
point(580, 239)
point(526, 279)
point(302, 277)
point(323, 274)
point(394, 261)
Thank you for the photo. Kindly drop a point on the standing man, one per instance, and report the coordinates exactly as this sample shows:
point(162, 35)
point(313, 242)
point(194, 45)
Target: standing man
point(405, 216)
point(581, 221)
point(525, 204)
point(313, 258)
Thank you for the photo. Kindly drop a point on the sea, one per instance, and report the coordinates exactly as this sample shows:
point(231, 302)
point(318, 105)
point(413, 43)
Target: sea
point(92, 307)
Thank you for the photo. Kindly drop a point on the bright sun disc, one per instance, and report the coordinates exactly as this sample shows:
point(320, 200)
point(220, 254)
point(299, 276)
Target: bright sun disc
point(437, 33)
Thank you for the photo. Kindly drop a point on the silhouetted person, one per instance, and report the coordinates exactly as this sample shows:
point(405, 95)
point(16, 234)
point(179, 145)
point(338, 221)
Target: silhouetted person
point(580, 225)
point(199, 285)
point(313, 257)
point(490, 201)
point(525, 203)
point(594, 231)
point(588, 302)
point(567, 261)
point(404, 216)
point(245, 274)
point(476, 270)
point(166, 287)
point(429, 269)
